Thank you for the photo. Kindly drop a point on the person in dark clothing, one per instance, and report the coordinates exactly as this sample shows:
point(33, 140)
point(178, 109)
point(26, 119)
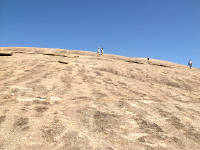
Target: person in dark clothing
point(148, 60)
point(190, 63)
point(102, 51)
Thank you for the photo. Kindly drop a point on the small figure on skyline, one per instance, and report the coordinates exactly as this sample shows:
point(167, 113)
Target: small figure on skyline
point(102, 51)
point(98, 51)
point(148, 60)
point(190, 63)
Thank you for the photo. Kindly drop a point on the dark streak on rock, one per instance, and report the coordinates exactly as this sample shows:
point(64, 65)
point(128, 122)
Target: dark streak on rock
point(2, 119)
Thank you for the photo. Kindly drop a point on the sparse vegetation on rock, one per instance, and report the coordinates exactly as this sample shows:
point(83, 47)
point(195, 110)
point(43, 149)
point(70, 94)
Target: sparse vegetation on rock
point(67, 99)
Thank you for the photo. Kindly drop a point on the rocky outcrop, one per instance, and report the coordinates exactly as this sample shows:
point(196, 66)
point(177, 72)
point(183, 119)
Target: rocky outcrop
point(69, 99)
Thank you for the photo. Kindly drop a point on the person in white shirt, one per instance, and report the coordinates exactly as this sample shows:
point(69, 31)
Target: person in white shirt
point(98, 51)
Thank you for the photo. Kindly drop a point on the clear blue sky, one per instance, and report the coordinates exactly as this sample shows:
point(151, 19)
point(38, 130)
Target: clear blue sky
point(161, 29)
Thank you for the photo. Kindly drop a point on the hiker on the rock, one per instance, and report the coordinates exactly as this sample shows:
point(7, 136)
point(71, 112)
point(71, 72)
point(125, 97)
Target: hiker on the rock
point(98, 51)
point(101, 51)
point(190, 63)
point(148, 60)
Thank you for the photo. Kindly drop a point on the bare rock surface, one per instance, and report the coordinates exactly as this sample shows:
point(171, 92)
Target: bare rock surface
point(74, 100)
